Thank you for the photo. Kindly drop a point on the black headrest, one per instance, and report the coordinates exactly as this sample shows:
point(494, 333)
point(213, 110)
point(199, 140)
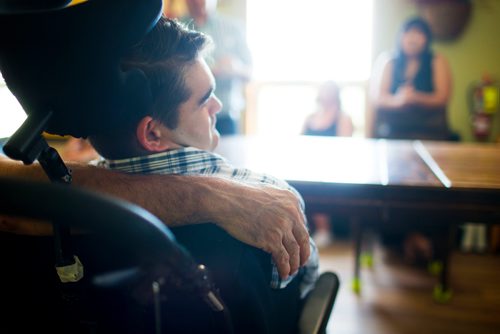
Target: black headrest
point(67, 61)
point(12, 6)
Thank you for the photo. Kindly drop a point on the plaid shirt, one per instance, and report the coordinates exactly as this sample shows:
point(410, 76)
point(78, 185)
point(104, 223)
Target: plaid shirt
point(192, 161)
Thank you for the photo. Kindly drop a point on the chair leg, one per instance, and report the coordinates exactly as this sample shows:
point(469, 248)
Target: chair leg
point(367, 249)
point(444, 243)
point(358, 239)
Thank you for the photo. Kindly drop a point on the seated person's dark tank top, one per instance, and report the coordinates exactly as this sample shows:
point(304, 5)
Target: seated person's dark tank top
point(413, 122)
point(329, 131)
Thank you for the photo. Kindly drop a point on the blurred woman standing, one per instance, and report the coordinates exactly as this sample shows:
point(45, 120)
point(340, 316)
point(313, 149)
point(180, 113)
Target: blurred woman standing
point(411, 88)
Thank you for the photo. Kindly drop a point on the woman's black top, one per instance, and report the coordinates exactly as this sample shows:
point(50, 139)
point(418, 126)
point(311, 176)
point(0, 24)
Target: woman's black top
point(412, 122)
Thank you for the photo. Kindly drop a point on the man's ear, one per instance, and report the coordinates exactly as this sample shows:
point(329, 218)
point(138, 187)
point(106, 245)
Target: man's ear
point(150, 135)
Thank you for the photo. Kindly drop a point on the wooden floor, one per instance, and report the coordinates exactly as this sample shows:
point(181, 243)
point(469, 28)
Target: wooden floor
point(397, 298)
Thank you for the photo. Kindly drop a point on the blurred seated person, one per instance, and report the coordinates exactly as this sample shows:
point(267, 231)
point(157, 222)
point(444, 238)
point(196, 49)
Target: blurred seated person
point(79, 150)
point(177, 135)
point(327, 120)
point(410, 92)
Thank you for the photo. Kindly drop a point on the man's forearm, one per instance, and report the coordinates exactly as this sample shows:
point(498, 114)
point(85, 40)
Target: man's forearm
point(144, 191)
point(176, 200)
point(264, 217)
point(167, 196)
point(15, 169)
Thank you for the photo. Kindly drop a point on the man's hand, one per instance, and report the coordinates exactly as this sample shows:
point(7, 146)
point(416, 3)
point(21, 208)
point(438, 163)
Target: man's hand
point(270, 219)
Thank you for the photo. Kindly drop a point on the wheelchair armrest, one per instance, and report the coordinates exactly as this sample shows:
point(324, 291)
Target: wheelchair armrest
point(318, 304)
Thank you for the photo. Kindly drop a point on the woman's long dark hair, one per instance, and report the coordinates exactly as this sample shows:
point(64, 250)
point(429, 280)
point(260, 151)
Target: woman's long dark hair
point(400, 59)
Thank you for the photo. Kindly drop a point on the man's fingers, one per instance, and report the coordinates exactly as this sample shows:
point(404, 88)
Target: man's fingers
point(302, 238)
point(292, 248)
point(282, 261)
point(305, 250)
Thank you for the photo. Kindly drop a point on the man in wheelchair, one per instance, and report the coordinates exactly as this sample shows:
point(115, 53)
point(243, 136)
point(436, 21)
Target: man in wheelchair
point(176, 135)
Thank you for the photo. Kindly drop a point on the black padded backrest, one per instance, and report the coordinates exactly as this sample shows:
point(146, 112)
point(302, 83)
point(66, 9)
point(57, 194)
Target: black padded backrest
point(11, 6)
point(68, 61)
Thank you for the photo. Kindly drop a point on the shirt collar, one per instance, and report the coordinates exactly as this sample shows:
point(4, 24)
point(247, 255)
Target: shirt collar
point(177, 161)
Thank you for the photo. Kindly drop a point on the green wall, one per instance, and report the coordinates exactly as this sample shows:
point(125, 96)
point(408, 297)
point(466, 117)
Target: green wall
point(476, 51)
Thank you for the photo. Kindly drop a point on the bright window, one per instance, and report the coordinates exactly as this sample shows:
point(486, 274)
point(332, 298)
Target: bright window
point(310, 40)
point(11, 113)
point(298, 44)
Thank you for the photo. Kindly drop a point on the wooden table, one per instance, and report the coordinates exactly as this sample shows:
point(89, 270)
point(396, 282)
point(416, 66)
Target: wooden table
point(372, 181)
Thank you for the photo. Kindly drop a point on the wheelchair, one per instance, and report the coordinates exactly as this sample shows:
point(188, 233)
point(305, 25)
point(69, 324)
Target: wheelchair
point(138, 276)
